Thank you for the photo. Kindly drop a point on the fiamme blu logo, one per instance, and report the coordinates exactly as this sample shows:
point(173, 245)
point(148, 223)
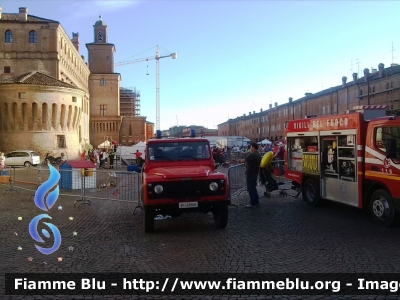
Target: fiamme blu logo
point(51, 189)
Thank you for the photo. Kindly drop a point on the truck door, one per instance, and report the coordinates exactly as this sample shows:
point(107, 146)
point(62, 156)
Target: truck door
point(339, 166)
point(383, 157)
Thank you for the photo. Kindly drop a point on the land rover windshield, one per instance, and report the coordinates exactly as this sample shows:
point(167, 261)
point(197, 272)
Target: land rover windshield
point(173, 151)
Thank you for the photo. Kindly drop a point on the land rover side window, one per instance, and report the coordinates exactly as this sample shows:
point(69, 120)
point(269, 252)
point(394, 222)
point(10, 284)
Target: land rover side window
point(170, 151)
point(387, 140)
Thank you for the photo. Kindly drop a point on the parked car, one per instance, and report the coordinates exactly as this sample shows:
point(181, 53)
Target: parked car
point(25, 158)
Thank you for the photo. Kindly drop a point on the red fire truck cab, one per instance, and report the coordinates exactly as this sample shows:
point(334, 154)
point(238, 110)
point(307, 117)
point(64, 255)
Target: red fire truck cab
point(352, 158)
point(179, 176)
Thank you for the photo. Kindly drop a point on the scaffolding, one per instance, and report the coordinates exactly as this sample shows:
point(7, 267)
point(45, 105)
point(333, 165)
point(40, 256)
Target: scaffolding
point(129, 100)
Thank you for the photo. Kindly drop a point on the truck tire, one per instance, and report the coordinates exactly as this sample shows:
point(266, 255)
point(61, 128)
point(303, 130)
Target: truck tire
point(382, 208)
point(148, 220)
point(311, 193)
point(220, 214)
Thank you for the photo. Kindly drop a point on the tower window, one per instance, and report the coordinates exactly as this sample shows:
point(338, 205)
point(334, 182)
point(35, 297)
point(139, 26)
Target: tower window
point(33, 37)
point(9, 37)
point(7, 69)
point(102, 82)
point(22, 95)
point(103, 110)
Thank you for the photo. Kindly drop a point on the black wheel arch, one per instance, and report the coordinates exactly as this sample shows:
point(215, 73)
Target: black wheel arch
point(371, 187)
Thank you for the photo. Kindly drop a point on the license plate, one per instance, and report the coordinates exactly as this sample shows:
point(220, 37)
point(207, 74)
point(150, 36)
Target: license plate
point(188, 204)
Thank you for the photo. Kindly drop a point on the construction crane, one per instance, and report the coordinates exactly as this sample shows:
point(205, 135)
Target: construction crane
point(157, 58)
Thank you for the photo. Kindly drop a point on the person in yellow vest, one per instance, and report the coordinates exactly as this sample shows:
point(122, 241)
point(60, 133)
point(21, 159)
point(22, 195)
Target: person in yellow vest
point(266, 178)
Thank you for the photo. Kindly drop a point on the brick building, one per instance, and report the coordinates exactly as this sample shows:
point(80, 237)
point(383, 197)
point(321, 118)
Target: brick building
point(44, 92)
point(51, 100)
point(380, 86)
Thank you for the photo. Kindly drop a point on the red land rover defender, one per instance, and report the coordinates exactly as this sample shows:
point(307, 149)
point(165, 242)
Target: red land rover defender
point(179, 176)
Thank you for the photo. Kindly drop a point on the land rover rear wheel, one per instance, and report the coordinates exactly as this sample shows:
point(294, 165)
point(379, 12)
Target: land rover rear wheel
point(148, 220)
point(220, 214)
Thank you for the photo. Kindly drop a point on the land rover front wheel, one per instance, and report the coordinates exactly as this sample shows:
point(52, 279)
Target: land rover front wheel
point(382, 208)
point(311, 193)
point(220, 214)
point(148, 220)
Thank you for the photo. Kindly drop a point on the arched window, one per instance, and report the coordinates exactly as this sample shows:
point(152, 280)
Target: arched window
point(32, 36)
point(9, 36)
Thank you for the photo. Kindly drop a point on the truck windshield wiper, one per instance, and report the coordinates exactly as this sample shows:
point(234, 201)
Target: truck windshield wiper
point(188, 156)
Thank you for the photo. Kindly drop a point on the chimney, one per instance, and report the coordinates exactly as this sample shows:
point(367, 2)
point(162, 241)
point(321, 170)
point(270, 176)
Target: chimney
point(244, 115)
point(23, 14)
point(290, 99)
point(394, 65)
point(270, 106)
point(249, 113)
point(308, 94)
point(1, 10)
point(373, 70)
point(276, 104)
point(366, 73)
point(381, 68)
point(344, 80)
point(75, 40)
point(260, 109)
point(254, 112)
point(355, 75)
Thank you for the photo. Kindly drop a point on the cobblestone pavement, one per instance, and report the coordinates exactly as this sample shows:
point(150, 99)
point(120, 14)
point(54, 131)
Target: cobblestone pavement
point(282, 235)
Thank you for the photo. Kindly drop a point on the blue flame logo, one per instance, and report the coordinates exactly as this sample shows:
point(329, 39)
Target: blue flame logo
point(51, 199)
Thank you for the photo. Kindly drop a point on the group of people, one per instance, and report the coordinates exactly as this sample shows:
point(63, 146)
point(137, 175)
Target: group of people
point(253, 170)
point(100, 157)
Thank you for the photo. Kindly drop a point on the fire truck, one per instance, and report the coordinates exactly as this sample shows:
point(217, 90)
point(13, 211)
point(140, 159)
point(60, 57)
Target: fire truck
point(180, 176)
point(351, 158)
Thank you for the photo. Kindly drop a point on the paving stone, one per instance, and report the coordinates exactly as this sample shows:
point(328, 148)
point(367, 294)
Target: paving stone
point(284, 235)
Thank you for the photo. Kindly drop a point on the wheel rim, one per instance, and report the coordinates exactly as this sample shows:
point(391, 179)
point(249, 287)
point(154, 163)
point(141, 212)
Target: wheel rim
point(381, 208)
point(27, 165)
point(310, 191)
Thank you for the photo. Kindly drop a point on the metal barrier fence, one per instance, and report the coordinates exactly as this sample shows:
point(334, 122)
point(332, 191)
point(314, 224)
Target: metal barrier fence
point(283, 186)
point(233, 157)
point(237, 180)
point(84, 184)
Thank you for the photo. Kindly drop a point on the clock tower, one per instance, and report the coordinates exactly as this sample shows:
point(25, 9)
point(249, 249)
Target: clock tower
point(104, 85)
point(100, 31)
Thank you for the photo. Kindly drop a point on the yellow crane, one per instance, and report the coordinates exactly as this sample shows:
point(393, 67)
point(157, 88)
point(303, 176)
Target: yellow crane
point(173, 55)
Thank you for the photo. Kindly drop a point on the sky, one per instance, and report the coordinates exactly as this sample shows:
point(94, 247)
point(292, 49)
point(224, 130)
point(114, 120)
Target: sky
point(234, 57)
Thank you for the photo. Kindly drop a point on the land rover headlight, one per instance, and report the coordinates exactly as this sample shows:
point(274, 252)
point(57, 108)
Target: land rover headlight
point(213, 186)
point(158, 189)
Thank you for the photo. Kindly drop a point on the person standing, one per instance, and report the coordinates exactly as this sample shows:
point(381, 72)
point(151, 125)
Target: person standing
point(139, 160)
point(279, 156)
point(102, 158)
point(112, 156)
point(252, 160)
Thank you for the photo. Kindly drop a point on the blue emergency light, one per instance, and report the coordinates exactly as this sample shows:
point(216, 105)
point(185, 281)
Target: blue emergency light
point(192, 133)
point(158, 134)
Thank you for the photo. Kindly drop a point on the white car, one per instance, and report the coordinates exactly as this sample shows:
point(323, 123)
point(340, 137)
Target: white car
point(25, 158)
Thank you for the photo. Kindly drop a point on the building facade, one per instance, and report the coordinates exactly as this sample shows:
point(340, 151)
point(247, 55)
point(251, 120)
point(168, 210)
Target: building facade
point(114, 111)
point(184, 131)
point(44, 94)
point(379, 87)
point(51, 100)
